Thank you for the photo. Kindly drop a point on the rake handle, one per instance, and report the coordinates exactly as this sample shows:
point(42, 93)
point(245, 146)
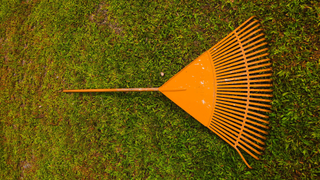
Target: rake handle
point(112, 90)
point(124, 90)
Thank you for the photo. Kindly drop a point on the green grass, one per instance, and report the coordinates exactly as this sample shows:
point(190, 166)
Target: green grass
point(47, 47)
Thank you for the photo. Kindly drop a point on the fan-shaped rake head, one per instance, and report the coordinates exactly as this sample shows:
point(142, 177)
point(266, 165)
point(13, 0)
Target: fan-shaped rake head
point(240, 74)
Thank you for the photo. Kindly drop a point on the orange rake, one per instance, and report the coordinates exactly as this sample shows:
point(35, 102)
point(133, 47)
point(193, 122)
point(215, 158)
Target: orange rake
point(227, 89)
